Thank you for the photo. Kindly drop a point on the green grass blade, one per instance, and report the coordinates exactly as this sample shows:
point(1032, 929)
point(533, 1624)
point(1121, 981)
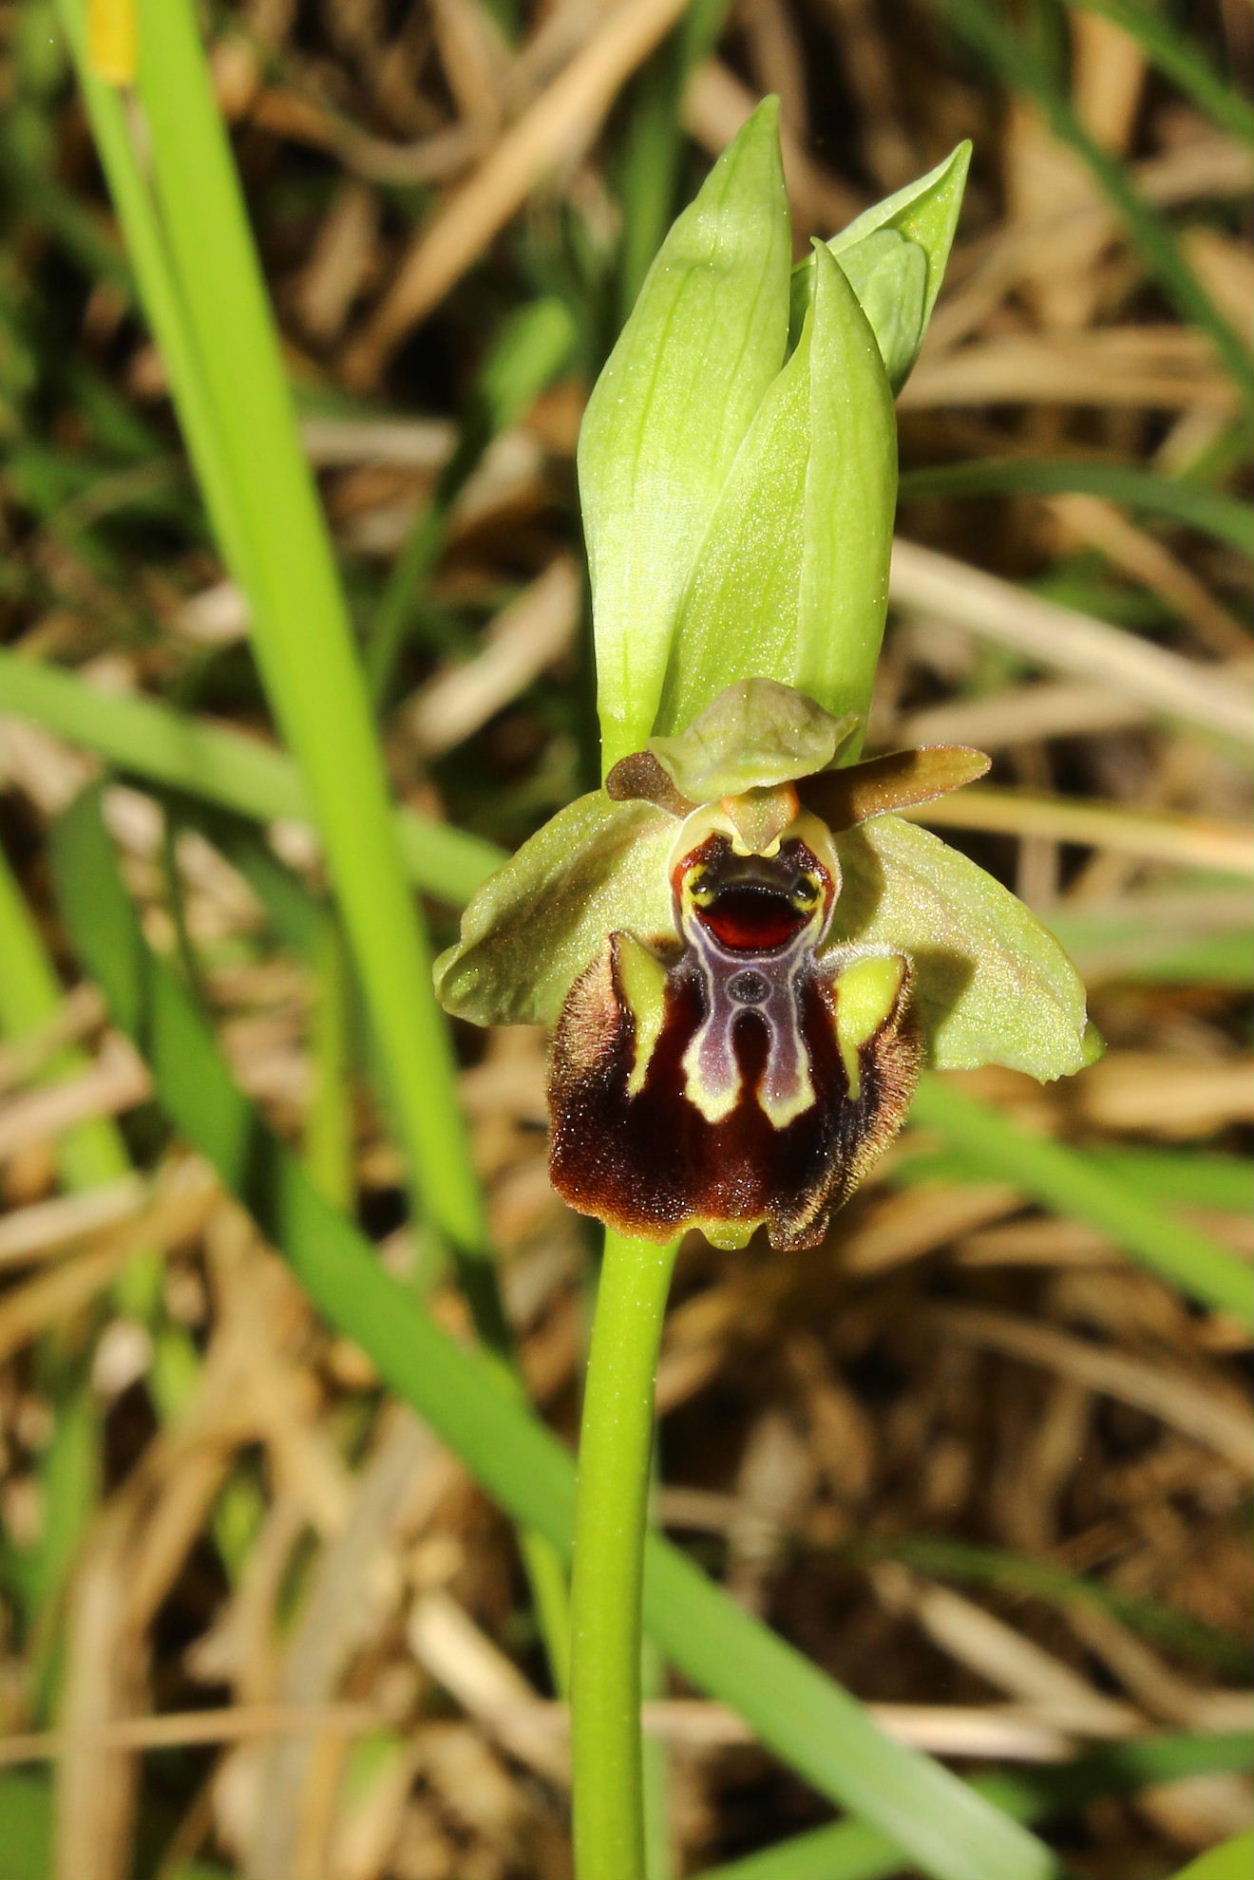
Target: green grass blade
point(329, 1125)
point(91, 1153)
point(1062, 1179)
point(27, 1818)
point(27, 1828)
point(1023, 72)
point(147, 249)
point(302, 632)
point(807, 1720)
point(1222, 517)
point(1181, 60)
point(1232, 1861)
point(1178, 1177)
point(1183, 1177)
point(1179, 938)
point(1041, 1579)
point(850, 1850)
point(157, 744)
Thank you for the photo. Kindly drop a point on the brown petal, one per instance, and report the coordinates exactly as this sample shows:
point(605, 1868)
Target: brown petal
point(642, 778)
point(845, 797)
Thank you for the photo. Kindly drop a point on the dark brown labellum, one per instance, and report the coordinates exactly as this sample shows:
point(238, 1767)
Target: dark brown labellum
point(734, 1079)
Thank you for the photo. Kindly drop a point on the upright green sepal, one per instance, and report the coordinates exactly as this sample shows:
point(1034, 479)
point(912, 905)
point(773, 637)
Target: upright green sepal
point(792, 577)
point(668, 414)
point(894, 256)
point(754, 735)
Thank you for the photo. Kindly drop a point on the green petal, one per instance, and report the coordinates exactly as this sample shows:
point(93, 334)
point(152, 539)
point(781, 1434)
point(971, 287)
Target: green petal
point(754, 735)
point(888, 273)
point(706, 337)
point(885, 277)
point(533, 926)
point(992, 984)
point(792, 577)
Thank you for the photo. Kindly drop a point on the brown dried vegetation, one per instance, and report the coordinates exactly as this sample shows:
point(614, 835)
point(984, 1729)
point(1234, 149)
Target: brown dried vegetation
point(284, 1632)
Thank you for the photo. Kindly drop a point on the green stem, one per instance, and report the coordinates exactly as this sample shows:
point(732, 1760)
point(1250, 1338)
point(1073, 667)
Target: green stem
point(610, 1513)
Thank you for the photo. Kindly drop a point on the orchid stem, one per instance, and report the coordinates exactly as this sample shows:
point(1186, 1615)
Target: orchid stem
point(611, 1510)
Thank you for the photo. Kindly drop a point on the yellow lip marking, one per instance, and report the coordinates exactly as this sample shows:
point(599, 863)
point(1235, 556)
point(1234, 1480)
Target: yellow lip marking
point(642, 979)
point(865, 995)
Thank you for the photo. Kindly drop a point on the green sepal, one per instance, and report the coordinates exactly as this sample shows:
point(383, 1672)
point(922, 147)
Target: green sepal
point(792, 577)
point(754, 735)
point(888, 273)
point(992, 985)
point(707, 335)
point(535, 924)
point(886, 276)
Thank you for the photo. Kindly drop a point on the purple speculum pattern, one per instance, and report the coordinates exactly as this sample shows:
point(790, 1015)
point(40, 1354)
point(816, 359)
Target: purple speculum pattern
point(752, 924)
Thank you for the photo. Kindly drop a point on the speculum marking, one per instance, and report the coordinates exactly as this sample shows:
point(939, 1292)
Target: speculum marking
point(751, 924)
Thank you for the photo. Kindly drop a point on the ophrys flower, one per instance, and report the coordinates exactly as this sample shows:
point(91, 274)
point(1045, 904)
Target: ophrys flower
point(748, 956)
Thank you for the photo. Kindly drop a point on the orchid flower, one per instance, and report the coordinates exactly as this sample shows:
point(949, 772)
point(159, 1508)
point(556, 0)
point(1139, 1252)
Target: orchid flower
point(746, 954)
point(747, 957)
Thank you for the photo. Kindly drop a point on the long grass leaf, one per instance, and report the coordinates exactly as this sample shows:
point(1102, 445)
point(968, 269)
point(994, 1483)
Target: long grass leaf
point(849, 1850)
point(1189, 1178)
point(1021, 69)
point(1041, 1579)
point(1064, 1181)
point(1232, 1861)
point(1180, 59)
point(92, 1152)
point(1222, 517)
point(157, 744)
point(302, 632)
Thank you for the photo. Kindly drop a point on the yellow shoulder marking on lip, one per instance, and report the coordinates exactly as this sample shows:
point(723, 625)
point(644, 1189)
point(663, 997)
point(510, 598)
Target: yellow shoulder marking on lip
point(865, 995)
point(642, 984)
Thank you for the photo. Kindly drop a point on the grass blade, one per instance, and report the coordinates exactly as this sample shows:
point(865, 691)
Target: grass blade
point(159, 745)
point(1061, 1179)
point(1222, 517)
point(852, 1851)
point(1229, 1862)
point(1022, 71)
point(301, 629)
point(92, 1152)
point(1180, 60)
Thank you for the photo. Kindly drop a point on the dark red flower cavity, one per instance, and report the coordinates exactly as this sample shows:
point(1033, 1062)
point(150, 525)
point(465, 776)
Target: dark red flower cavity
point(752, 918)
point(752, 903)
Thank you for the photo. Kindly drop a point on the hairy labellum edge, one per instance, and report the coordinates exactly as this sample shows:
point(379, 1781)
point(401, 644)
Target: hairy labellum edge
point(631, 1148)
